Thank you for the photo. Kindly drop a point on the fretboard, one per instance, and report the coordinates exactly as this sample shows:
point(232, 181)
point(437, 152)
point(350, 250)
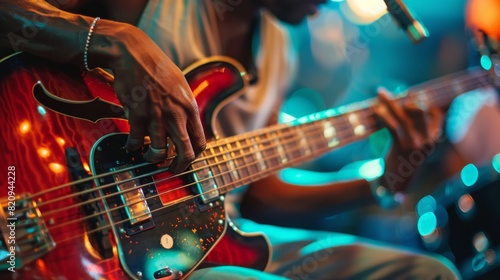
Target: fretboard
point(239, 160)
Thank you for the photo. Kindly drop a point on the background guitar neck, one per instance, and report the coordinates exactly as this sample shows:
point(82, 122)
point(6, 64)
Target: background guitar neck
point(245, 158)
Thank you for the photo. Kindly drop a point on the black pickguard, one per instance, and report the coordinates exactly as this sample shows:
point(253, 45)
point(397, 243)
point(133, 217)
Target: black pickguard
point(193, 232)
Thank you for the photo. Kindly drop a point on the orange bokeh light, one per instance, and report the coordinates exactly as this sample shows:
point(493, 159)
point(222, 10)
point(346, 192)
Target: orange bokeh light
point(56, 167)
point(25, 127)
point(43, 152)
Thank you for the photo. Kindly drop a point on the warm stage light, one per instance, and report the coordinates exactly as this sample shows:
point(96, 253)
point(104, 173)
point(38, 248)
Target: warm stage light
point(43, 152)
point(24, 127)
point(366, 11)
point(56, 167)
point(60, 141)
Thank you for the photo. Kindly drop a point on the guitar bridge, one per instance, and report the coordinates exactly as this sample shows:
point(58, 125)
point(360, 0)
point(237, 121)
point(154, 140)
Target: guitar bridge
point(25, 236)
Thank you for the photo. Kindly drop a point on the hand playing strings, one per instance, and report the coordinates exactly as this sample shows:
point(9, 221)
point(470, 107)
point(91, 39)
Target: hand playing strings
point(415, 131)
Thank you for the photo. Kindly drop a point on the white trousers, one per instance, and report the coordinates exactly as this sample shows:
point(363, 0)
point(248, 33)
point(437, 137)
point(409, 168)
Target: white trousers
point(300, 254)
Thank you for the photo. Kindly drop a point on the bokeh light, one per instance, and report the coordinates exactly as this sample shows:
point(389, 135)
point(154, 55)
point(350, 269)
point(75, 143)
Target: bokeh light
point(495, 162)
point(24, 127)
point(41, 110)
point(466, 203)
point(486, 62)
point(366, 11)
point(480, 242)
point(469, 174)
point(427, 223)
point(43, 152)
point(372, 169)
point(426, 204)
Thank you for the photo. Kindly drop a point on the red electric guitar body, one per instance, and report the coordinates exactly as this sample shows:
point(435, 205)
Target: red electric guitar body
point(133, 220)
point(75, 205)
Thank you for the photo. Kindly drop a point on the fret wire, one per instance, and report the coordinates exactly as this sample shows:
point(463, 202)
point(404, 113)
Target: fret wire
point(226, 162)
point(268, 143)
point(299, 151)
point(232, 164)
point(281, 150)
point(215, 163)
point(304, 146)
point(245, 163)
point(260, 141)
point(255, 156)
point(313, 144)
point(295, 149)
point(320, 135)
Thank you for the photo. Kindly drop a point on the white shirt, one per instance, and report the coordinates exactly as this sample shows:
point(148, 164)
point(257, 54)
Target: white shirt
point(187, 32)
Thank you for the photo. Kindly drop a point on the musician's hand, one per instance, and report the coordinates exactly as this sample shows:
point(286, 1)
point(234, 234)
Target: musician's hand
point(415, 131)
point(157, 100)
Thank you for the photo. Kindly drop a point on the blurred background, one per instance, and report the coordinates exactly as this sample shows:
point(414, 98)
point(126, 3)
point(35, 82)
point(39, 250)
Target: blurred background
point(349, 50)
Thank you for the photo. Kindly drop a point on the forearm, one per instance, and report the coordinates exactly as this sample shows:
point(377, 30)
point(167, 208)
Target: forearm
point(274, 195)
point(36, 27)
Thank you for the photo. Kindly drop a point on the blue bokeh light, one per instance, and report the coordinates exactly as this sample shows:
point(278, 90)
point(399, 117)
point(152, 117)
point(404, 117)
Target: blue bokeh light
point(486, 62)
point(426, 204)
point(469, 174)
point(427, 223)
point(495, 162)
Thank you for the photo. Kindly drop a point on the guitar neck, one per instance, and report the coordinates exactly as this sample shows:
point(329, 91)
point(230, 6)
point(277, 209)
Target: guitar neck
point(441, 91)
point(246, 158)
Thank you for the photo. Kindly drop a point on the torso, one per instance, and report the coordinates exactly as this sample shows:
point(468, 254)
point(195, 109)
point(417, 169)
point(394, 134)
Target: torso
point(235, 35)
point(129, 13)
point(235, 31)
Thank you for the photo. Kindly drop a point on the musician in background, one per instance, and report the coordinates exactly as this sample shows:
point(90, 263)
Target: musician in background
point(472, 114)
point(173, 34)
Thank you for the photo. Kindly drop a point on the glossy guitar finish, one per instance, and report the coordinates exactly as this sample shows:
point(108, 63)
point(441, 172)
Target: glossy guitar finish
point(161, 224)
point(69, 237)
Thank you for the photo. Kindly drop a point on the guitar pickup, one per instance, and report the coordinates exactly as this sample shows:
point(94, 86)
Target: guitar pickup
point(132, 196)
point(206, 185)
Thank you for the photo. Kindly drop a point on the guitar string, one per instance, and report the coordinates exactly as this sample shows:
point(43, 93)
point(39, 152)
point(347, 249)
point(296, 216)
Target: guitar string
point(188, 185)
point(176, 202)
point(312, 131)
point(114, 194)
point(217, 144)
point(470, 78)
point(115, 223)
point(199, 159)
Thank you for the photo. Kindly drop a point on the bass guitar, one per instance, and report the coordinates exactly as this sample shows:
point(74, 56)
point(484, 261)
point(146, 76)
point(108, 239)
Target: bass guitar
point(75, 205)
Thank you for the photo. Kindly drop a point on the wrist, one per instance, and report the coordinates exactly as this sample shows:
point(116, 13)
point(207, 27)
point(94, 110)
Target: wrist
point(109, 44)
